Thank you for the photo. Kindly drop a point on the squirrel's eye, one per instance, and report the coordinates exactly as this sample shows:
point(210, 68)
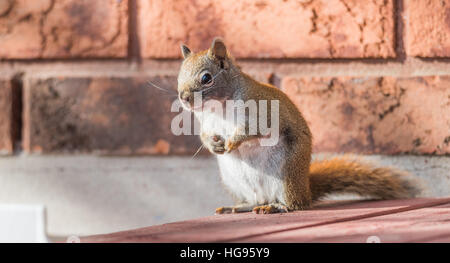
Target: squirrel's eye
point(206, 79)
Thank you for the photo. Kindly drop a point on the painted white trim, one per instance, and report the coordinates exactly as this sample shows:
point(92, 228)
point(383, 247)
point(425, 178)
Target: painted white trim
point(22, 223)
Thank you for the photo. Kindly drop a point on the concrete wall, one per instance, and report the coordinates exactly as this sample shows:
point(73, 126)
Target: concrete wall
point(91, 195)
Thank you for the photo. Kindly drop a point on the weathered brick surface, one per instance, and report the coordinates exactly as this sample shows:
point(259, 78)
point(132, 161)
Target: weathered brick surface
point(123, 116)
point(6, 143)
point(428, 28)
point(102, 115)
point(375, 115)
point(312, 29)
point(63, 28)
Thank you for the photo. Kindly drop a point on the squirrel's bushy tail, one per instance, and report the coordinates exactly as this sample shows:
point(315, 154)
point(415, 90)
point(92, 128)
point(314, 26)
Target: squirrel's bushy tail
point(344, 175)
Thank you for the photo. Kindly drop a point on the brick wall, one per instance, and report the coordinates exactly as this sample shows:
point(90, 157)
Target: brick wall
point(369, 76)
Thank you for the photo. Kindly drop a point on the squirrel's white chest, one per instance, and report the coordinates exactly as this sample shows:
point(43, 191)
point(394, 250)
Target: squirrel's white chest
point(252, 173)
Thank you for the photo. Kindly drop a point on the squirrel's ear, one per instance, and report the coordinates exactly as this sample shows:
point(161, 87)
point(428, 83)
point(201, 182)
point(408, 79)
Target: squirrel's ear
point(185, 51)
point(218, 49)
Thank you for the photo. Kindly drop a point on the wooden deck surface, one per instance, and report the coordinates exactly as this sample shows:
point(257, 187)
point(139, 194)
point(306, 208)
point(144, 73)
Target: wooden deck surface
point(414, 220)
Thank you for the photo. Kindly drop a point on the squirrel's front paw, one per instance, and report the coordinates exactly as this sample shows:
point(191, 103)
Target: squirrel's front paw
point(231, 145)
point(215, 143)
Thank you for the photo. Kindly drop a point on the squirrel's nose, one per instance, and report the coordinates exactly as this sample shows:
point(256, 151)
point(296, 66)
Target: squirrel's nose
point(184, 95)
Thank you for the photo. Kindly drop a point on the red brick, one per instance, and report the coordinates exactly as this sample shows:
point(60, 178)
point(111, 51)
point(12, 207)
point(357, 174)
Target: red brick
point(375, 114)
point(278, 29)
point(6, 98)
point(428, 28)
point(62, 29)
point(103, 115)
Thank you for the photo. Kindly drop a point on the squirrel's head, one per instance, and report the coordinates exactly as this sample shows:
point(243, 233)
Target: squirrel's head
point(207, 73)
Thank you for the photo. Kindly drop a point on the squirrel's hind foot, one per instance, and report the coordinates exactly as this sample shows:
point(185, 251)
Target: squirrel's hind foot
point(262, 209)
point(234, 209)
point(270, 209)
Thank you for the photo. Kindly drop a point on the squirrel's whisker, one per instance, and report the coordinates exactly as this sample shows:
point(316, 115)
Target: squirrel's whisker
point(217, 74)
point(208, 89)
point(176, 95)
point(156, 86)
point(199, 149)
point(170, 95)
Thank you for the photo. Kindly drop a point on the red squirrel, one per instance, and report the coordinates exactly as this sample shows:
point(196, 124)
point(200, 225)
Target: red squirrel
point(280, 177)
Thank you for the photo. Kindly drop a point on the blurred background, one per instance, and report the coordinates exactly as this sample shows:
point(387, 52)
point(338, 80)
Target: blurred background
point(83, 134)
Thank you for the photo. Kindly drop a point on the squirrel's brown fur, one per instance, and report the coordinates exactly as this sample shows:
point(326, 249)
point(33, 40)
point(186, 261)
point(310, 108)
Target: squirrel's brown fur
point(303, 181)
